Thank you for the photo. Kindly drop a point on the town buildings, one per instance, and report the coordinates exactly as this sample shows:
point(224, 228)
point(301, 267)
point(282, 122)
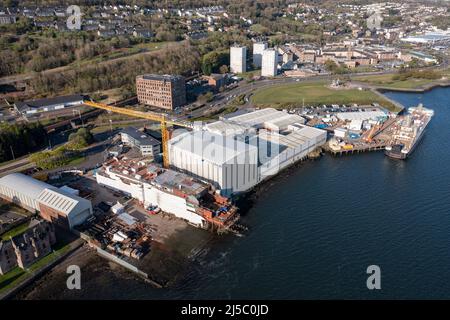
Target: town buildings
point(258, 48)
point(163, 91)
point(238, 59)
point(8, 259)
point(345, 53)
point(269, 63)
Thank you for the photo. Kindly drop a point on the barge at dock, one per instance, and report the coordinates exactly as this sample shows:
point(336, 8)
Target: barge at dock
point(409, 132)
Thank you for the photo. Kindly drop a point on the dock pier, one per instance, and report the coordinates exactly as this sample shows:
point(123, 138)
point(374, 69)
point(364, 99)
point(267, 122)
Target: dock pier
point(361, 149)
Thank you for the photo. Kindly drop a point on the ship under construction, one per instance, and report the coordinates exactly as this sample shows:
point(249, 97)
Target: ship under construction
point(408, 132)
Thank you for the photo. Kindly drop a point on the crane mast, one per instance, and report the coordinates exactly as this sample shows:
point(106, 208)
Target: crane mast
point(161, 118)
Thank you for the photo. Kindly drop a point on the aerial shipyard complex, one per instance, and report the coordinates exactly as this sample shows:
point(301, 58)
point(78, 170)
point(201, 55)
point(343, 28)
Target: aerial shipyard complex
point(188, 171)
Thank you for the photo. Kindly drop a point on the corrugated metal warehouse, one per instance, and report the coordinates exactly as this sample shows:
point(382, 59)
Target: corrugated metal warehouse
point(63, 208)
point(229, 164)
point(225, 153)
point(53, 204)
point(268, 118)
point(22, 190)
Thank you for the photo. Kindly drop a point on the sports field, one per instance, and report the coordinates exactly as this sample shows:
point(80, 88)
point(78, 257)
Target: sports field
point(314, 93)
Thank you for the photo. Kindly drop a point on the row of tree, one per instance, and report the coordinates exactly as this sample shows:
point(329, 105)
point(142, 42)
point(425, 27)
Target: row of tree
point(176, 59)
point(63, 155)
point(407, 73)
point(51, 49)
point(51, 159)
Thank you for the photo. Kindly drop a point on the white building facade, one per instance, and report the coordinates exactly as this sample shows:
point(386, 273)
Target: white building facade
point(238, 59)
point(227, 163)
point(50, 202)
point(172, 204)
point(258, 48)
point(269, 63)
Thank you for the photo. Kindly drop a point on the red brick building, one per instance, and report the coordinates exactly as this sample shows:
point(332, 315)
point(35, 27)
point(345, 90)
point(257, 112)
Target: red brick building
point(163, 91)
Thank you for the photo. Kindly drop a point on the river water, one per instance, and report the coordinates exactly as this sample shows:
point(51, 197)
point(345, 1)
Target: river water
point(316, 229)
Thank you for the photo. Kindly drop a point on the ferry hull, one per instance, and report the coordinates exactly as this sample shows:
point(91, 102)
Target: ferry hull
point(397, 154)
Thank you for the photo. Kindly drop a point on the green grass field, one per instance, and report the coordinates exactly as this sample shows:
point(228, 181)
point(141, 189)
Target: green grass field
point(314, 93)
point(387, 81)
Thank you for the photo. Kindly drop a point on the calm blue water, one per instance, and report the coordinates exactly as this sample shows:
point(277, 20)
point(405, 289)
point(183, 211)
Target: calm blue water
point(314, 234)
point(316, 230)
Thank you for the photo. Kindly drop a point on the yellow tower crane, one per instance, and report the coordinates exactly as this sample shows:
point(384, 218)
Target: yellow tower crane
point(161, 118)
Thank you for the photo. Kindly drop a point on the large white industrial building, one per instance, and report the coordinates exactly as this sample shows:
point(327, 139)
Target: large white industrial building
point(258, 48)
point(238, 59)
point(53, 204)
point(229, 164)
point(22, 190)
point(269, 63)
point(237, 153)
point(63, 208)
point(268, 118)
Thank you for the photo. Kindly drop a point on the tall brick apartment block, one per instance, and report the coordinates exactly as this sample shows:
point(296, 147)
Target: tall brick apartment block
point(163, 91)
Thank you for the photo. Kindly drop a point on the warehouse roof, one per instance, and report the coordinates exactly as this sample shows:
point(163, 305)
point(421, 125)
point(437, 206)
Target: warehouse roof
point(362, 115)
point(293, 139)
point(62, 201)
point(213, 147)
point(268, 117)
point(24, 184)
point(48, 102)
point(226, 127)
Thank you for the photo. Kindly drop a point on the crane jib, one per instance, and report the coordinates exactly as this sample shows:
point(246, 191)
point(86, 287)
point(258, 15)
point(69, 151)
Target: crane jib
point(145, 115)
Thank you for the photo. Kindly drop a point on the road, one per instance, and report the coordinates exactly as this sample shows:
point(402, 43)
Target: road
point(244, 88)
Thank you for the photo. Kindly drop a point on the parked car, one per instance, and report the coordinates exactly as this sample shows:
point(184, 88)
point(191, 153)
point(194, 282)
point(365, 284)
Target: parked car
point(153, 209)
